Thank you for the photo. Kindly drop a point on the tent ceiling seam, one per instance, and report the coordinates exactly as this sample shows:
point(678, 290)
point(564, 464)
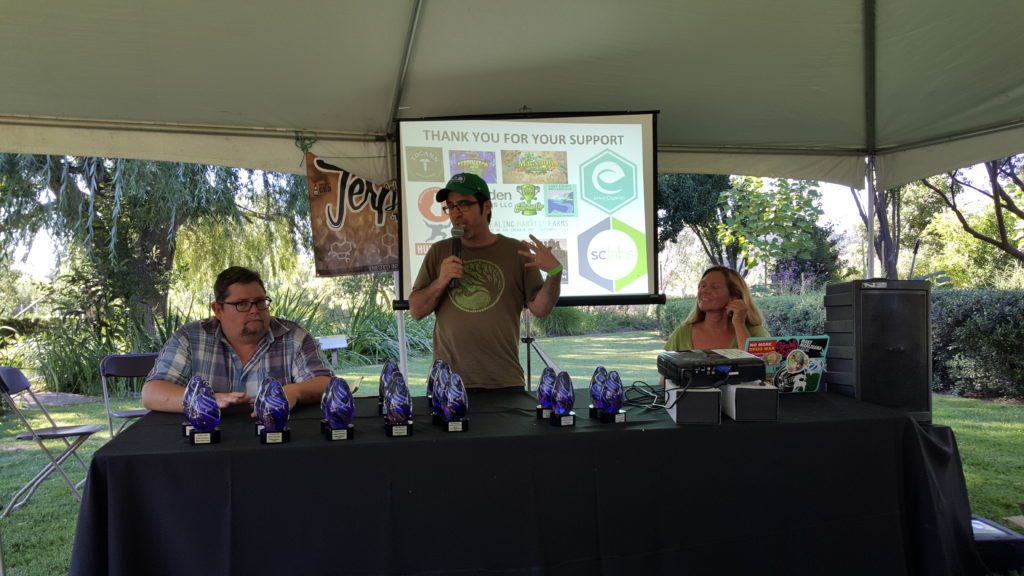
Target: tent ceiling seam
point(953, 137)
point(192, 129)
point(870, 72)
point(776, 151)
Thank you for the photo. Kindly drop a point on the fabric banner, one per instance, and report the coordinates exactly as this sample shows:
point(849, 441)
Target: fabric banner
point(355, 222)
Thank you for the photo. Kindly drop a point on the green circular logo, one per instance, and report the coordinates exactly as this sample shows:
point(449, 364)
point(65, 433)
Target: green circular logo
point(480, 287)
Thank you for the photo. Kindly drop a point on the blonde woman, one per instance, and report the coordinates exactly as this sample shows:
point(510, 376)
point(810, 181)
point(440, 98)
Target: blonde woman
point(724, 317)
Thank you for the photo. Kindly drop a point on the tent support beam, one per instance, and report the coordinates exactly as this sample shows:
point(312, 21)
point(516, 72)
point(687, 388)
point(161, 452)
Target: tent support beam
point(189, 129)
point(403, 71)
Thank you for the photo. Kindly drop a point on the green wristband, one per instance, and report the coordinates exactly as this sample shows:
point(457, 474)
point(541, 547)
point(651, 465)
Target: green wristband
point(555, 270)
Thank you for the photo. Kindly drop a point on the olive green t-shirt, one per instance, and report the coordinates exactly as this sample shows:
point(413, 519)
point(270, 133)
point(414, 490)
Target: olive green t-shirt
point(476, 328)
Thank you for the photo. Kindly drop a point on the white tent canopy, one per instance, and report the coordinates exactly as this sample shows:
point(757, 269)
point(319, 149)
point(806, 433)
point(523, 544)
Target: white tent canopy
point(791, 88)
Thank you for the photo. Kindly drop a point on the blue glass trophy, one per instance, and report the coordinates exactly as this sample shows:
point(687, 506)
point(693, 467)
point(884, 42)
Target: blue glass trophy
point(435, 373)
point(272, 412)
point(545, 393)
point(325, 401)
point(613, 395)
point(190, 391)
point(338, 409)
point(397, 407)
point(437, 400)
point(596, 385)
point(432, 380)
point(564, 398)
point(203, 414)
point(257, 426)
point(390, 367)
point(456, 405)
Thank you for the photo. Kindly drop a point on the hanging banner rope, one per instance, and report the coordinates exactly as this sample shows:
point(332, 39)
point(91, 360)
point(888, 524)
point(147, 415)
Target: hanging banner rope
point(354, 221)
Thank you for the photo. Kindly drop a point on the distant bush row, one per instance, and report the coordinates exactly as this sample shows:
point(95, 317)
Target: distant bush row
point(976, 336)
point(9, 327)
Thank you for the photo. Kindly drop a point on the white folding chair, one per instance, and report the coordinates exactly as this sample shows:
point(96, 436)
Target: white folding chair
point(14, 383)
point(124, 366)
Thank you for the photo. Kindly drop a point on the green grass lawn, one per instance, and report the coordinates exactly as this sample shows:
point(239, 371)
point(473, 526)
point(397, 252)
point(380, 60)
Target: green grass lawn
point(37, 538)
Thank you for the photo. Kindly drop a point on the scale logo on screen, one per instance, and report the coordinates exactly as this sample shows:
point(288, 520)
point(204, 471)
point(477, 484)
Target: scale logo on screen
point(608, 181)
point(612, 254)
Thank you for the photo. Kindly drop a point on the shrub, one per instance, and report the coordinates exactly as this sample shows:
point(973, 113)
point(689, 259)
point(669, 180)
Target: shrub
point(794, 315)
point(563, 321)
point(975, 342)
point(783, 315)
point(619, 318)
point(672, 314)
point(24, 326)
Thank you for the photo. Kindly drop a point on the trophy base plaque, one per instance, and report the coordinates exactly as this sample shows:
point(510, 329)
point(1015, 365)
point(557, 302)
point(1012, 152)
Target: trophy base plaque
point(186, 429)
point(336, 434)
point(543, 413)
point(563, 420)
point(211, 437)
point(456, 425)
point(395, 430)
point(279, 437)
point(617, 417)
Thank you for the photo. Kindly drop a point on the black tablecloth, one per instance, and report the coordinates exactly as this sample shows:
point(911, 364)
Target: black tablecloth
point(835, 486)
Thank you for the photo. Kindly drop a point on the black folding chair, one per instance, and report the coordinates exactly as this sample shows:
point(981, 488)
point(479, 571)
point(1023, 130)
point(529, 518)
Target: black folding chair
point(14, 383)
point(124, 366)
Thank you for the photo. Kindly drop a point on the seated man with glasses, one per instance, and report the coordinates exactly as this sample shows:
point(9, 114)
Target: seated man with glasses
point(476, 327)
point(236, 349)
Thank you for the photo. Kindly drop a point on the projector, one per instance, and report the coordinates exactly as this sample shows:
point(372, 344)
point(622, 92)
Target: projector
point(705, 368)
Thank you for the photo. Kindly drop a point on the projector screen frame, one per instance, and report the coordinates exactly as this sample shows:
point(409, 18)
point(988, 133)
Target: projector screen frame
point(648, 179)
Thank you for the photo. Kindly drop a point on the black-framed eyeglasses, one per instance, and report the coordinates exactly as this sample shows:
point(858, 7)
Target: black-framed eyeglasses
point(245, 305)
point(457, 207)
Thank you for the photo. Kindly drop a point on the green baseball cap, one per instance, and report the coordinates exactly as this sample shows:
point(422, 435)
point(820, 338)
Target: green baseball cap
point(466, 184)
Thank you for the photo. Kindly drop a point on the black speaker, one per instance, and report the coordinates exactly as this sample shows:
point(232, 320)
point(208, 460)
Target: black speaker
point(880, 343)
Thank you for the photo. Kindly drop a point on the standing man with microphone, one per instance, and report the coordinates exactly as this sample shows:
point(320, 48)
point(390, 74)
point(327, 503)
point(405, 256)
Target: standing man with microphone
point(477, 284)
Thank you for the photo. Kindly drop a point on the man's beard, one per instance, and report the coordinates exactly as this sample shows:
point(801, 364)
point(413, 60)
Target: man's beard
point(248, 332)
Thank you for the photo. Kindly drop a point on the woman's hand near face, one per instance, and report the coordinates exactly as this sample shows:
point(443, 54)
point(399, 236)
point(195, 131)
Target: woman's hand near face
point(736, 310)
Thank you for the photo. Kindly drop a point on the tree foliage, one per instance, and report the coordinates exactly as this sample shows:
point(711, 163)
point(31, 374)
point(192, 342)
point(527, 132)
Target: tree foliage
point(690, 201)
point(1003, 190)
point(902, 214)
point(949, 250)
point(741, 222)
point(811, 270)
point(766, 221)
point(122, 217)
point(955, 191)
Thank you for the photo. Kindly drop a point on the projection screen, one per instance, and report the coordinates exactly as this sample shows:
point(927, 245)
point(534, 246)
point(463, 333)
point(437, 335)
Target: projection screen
point(582, 183)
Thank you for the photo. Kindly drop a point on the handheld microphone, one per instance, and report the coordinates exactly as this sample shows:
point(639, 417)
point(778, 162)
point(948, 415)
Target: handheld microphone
point(457, 232)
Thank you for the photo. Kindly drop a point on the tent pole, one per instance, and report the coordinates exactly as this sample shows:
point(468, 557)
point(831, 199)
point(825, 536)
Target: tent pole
point(870, 252)
point(870, 122)
point(403, 352)
point(403, 349)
